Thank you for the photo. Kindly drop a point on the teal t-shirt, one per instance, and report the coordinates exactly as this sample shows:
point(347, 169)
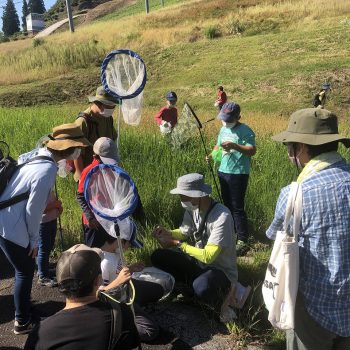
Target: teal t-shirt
point(235, 162)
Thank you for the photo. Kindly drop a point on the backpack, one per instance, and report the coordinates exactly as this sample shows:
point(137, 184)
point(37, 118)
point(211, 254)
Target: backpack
point(123, 334)
point(8, 166)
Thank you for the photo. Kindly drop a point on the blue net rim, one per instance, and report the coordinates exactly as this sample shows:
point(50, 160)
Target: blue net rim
point(104, 78)
point(123, 174)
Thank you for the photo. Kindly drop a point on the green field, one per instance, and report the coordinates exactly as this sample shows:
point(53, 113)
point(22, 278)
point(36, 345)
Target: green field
point(271, 57)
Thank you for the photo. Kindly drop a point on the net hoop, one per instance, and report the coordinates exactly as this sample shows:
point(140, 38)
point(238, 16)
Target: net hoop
point(104, 75)
point(121, 173)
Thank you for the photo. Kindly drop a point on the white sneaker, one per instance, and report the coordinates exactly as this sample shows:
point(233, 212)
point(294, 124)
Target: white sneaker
point(228, 315)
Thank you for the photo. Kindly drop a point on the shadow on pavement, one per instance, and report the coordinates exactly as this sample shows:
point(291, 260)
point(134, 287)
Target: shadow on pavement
point(7, 308)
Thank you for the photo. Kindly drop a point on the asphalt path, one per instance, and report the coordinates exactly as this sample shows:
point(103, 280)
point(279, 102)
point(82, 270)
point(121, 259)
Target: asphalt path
point(183, 325)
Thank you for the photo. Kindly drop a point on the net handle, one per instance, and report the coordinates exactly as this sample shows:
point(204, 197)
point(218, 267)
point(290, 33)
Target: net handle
point(104, 76)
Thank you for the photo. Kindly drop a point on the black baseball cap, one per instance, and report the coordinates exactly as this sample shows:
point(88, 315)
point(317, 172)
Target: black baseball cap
point(80, 264)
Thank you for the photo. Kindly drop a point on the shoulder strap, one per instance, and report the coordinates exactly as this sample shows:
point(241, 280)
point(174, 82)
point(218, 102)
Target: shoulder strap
point(22, 196)
point(90, 123)
point(116, 326)
point(14, 200)
point(202, 225)
point(294, 207)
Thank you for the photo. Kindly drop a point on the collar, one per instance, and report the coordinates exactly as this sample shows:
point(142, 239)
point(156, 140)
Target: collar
point(319, 163)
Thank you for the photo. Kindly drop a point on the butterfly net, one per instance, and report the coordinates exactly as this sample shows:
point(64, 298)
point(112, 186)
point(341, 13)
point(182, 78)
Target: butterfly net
point(185, 128)
point(111, 194)
point(123, 75)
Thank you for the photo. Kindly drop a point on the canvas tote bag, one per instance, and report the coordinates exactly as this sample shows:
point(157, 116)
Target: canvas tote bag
point(281, 282)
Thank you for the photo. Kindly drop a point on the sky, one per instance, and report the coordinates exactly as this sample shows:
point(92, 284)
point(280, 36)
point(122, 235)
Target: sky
point(18, 4)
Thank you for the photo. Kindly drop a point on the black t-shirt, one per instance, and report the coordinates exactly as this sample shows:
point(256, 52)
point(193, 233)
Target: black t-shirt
point(86, 327)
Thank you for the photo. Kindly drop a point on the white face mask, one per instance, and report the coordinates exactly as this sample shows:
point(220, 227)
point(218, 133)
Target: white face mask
point(75, 154)
point(171, 103)
point(189, 206)
point(229, 125)
point(107, 112)
point(63, 168)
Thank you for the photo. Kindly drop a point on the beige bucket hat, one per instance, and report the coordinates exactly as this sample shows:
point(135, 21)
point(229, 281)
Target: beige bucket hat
point(66, 136)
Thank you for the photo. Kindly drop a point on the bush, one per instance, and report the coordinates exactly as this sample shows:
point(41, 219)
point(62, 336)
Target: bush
point(212, 32)
point(38, 42)
point(235, 26)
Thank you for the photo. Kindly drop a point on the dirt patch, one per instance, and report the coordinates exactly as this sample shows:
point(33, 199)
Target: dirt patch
point(70, 88)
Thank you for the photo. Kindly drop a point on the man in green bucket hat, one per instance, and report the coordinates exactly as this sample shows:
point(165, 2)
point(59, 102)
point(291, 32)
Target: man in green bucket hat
point(95, 122)
point(322, 311)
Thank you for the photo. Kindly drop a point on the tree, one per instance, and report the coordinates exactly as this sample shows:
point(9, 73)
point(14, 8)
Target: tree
point(36, 6)
point(10, 20)
point(25, 12)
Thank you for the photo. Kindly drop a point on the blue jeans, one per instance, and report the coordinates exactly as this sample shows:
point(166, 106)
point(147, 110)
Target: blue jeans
point(47, 235)
point(24, 271)
point(208, 284)
point(233, 190)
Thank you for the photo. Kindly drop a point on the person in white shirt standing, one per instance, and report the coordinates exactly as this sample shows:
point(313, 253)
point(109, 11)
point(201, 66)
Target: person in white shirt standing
point(19, 222)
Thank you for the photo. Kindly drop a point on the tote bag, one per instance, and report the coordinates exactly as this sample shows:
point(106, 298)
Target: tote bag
point(281, 282)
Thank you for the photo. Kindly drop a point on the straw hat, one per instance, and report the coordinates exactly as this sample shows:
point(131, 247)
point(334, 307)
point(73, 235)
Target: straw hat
point(312, 126)
point(66, 136)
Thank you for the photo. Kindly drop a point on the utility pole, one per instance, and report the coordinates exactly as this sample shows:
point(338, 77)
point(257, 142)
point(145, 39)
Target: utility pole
point(147, 6)
point(70, 17)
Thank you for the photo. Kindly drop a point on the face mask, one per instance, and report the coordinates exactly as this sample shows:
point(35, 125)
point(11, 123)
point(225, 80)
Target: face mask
point(229, 125)
point(189, 206)
point(63, 168)
point(171, 103)
point(107, 112)
point(75, 154)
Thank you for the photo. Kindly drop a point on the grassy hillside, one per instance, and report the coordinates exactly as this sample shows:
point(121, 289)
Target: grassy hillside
point(271, 57)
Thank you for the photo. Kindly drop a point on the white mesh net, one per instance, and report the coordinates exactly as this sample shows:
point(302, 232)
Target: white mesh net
point(111, 195)
point(124, 74)
point(185, 128)
point(132, 109)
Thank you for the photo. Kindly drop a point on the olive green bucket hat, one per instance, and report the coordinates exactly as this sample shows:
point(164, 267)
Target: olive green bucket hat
point(103, 97)
point(312, 126)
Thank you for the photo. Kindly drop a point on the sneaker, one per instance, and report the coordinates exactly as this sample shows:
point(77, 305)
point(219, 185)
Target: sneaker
point(24, 328)
point(227, 315)
point(241, 248)
point(47, 282)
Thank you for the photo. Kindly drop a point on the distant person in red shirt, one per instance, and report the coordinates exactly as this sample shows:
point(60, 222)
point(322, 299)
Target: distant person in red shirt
point(167, 116)
point(221, 98)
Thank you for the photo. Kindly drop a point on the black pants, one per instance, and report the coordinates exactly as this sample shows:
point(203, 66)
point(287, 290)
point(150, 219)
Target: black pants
point(208, 284)
point(233, 190)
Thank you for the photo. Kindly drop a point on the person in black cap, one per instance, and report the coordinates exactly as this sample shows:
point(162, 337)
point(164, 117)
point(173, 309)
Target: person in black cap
point(168, 113)
point(236, 143)
point(85, 322)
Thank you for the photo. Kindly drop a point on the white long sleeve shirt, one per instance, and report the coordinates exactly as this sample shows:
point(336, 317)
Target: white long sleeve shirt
point(20, 222)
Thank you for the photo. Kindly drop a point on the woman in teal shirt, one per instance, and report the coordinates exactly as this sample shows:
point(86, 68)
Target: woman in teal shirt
point(237, 142)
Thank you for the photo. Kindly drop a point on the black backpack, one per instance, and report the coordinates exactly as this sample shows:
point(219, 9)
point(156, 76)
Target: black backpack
point(8, 166)
point(123, 333)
